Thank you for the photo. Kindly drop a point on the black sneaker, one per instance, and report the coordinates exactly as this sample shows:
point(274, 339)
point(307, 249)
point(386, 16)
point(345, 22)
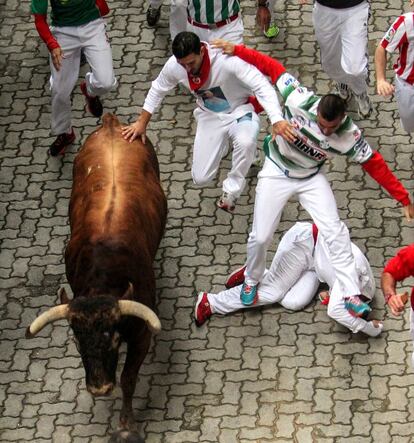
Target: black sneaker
point(153, 15)
point(93, 104)
point(59, 145)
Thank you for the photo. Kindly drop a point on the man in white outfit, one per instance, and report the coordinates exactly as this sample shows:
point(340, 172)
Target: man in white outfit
point(341, 29)
point(208, 19)
point(301, 262)
point(399, 37)
point(222, 87)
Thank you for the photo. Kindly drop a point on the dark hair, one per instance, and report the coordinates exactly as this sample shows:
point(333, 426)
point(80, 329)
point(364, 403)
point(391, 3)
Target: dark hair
point(186, 43)
point(331, 106)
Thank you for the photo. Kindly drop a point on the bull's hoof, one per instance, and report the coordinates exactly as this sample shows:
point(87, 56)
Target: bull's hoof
point(125, 436)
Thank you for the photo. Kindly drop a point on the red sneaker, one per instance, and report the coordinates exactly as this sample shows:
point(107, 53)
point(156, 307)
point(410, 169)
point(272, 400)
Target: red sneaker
point(93, 104)
point(236, 278)
point(61, 142)
point(202, 311)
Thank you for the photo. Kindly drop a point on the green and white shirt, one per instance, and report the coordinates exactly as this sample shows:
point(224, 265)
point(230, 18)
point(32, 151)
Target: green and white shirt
point(312, 148)
point(212, 11)
point(67, 12)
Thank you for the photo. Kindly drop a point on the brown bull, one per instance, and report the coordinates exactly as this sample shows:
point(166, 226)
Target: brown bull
point(117, 217)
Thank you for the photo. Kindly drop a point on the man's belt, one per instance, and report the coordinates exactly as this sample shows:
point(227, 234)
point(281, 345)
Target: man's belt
point(213, 25)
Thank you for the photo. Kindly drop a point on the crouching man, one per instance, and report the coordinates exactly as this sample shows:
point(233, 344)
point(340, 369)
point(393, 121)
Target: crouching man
point(301, 262)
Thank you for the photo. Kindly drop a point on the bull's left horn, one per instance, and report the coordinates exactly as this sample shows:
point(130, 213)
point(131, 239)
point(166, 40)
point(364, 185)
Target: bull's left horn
point(129, 307)
point(51, 315)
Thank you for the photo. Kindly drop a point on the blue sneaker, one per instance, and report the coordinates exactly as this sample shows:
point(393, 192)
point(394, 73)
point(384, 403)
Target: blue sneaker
point(248, 294)
point(356, 306)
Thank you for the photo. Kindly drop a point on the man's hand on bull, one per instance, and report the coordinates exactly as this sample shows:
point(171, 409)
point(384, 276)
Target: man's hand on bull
point(137, 129)
point(285, 130)
point(133, 131)
point(227, 47)
point(409, 212)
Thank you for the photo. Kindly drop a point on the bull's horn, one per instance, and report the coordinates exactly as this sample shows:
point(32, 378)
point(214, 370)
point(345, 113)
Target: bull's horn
point(51, 315)
point(129, 307)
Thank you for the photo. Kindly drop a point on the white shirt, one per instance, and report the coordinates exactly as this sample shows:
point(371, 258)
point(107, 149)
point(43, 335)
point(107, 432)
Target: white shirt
point(231, 81)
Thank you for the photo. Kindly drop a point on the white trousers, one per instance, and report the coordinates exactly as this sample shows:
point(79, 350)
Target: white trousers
point(91, 38)
point(290, 281)
point(404, 93)
point(232, 32)
point(178, 15)
point(272, 193)
point(214, 131)
point(342, 35)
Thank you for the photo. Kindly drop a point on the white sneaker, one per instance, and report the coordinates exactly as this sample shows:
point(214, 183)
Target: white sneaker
point(364, 105)
point(227, 202)
point(343, 91)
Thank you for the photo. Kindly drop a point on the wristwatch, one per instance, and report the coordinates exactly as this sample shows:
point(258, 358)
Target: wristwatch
point(263, 4)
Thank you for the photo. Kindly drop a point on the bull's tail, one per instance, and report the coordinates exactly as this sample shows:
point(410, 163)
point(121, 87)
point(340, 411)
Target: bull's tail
point(110, 121)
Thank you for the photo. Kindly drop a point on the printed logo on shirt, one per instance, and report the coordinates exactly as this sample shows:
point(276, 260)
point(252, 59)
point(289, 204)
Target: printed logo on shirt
point(389, 35)
point(291, 81)
point(304, 144)
point(214, 99)
point(361, 147)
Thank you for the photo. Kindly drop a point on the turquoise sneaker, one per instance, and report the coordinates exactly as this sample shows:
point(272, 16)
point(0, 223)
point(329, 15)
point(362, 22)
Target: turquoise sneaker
point(248, 294)
point(272, 31)
point(356, 307)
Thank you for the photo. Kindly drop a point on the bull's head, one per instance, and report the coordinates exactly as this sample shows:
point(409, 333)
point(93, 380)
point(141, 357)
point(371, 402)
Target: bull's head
point(94, 321)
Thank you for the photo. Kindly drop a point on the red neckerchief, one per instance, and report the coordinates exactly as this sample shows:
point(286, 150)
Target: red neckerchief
point(197, 81)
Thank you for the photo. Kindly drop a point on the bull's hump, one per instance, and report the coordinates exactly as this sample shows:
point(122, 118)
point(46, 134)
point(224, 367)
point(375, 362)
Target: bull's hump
point(110, 120)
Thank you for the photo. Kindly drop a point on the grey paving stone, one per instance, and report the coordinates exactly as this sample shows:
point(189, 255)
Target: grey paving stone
point(256, 376)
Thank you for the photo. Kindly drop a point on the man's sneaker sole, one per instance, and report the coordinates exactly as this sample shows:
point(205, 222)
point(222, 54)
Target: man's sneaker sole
point(272, 32)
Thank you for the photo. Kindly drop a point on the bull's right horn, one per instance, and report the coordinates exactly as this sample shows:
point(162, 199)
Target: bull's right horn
point(51, 315)
point(129, 307)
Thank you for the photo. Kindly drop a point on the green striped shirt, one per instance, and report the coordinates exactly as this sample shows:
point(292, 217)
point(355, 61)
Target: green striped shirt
point(312, 148)
point(212, 11)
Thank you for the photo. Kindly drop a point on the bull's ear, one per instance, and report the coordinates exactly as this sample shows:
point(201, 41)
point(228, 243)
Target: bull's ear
point(128, 294)
point(64, 299)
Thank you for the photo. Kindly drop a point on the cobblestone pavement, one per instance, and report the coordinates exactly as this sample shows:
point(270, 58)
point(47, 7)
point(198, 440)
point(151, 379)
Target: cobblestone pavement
point(259, 376)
